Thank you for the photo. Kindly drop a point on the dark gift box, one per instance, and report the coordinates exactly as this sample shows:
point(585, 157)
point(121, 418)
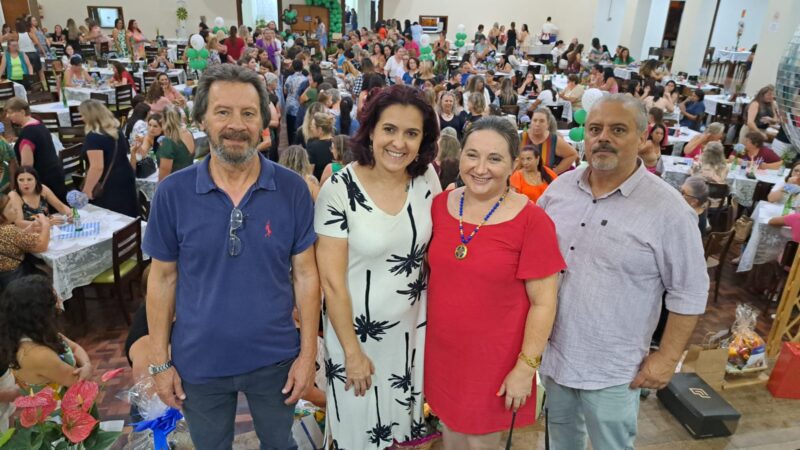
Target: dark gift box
point(698, 407)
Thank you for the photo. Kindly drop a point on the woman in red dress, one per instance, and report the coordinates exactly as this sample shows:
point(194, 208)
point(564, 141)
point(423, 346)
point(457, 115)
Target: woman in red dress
point(494, 260)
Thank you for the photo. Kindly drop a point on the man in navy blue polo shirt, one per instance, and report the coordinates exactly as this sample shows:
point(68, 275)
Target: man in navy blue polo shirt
point(232, 245)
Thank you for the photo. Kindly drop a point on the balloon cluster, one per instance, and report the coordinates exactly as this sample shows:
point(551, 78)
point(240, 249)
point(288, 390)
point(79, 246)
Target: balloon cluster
point(334, 8)
point(425, 50)
point(289, 16)
point(576, 134)
point(197, 54)
point(461, 36)
point(219, 25)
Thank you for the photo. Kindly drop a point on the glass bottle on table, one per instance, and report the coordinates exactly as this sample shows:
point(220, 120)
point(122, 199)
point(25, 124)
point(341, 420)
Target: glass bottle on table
point(76, 220)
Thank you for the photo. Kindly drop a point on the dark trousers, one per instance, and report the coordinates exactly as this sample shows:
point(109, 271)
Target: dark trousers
point(210, 409)
point(290, 127)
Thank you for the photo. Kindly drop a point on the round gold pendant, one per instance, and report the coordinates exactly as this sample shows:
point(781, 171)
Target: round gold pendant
point(461, 251)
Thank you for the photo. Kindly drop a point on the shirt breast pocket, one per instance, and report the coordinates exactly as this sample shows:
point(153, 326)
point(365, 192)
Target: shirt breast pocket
point(624, 250)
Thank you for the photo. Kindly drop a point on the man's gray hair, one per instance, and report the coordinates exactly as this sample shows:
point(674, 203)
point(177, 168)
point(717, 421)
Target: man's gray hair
point(334, 94)
point(697, 187)
point(632, 104)
point(270, 78)
point(234, 74)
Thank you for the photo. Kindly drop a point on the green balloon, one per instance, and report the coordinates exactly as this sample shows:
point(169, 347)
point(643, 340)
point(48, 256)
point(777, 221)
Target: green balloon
point(576, 134)
point(580, 117)
point(203, 53)
point(191, 53)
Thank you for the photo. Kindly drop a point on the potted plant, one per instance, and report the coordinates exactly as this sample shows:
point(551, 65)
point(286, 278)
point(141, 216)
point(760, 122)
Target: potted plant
point(72, 424)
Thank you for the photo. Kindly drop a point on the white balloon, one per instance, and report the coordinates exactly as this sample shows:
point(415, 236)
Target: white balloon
point(590, 97)
point(461, 28)
point(219, 21)
point(290, 43)
point(424, 40)
point(197, 42)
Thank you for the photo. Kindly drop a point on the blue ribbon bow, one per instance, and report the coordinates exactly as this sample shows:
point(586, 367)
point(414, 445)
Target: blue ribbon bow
point(161, 427)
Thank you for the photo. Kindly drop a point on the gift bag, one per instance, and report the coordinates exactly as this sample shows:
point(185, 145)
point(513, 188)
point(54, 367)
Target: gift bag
point(784, 382)
point(746, 349)
point(707, 363)
point(307, 433)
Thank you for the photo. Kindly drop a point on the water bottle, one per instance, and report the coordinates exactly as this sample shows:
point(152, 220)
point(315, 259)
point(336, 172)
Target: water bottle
point(76, 220)
point(787, 206)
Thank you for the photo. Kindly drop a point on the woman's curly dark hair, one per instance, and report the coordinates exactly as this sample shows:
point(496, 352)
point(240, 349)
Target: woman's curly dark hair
point(369, 115)
point(28, 309)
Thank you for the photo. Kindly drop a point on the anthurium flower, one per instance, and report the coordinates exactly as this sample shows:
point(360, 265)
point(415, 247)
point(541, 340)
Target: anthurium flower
point(80, 395)
point(77, 424)
point(111, 374)
point(35, 408)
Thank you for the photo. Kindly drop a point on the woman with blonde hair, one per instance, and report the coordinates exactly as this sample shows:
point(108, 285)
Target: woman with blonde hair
point(177, 148)
point(319, 142)
point(213, 51)
point(713, 166)
point(303, 134)
point(449, 153)
point(110, 181)
point(295, 158)
point(244, 33)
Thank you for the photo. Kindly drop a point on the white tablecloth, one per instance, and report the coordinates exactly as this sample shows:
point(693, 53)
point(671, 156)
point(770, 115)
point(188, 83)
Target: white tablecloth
point(83, 94)
point(172, 52)
point(559, 81)
point(711, 102)
point(730, 55)
point(766, 242)
point(19, 91)
point(57, 107)
point(537, 49)
point(76, 262)
point(148, 185)
point(676, 170)
point(625, 72)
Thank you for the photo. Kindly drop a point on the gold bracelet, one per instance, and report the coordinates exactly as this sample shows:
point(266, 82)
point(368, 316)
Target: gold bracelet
point(532, 363)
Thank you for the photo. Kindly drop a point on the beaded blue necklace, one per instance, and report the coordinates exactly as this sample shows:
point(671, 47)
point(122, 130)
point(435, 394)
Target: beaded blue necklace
point(461, 249)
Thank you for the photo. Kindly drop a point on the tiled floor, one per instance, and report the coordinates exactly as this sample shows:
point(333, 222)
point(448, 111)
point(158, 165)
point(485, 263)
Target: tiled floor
point(105, 343)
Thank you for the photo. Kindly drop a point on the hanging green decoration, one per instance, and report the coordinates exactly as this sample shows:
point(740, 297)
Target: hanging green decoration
point(334, 8)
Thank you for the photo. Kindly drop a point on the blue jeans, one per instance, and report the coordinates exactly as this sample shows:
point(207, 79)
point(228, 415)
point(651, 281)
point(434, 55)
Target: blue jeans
point(210, 409)
point(607, 415)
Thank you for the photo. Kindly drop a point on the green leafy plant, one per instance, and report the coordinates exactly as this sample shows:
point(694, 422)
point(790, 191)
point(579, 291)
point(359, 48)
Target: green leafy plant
point(182, 13)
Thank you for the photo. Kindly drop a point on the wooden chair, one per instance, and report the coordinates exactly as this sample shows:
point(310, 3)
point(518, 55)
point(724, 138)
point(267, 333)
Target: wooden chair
point(760, 192)
point(782, 274)
point(150, 77)
point(105, 49)
point(724, 114)
point(48, 119)
point(41, 98)
point(180, 65)
point(72, 135)
point(150, 52)
point(75, 118)
point(716, 250)
point(557, 110)
point(510, 109)
point(102, 98)
point(667, 150)
point(52, 77)
point(124, 101)
point(719, 214)
point(6, 92)
point(74, 164)
point(58, 49)
point(144, 206)
point(180, 51)
point(127, 266)
point(87, 51)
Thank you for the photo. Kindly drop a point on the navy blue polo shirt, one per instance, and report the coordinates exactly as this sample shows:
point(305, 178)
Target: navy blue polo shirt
point(233, 313)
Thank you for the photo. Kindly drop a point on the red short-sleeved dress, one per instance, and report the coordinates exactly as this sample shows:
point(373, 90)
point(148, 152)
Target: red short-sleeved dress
point(477, 308)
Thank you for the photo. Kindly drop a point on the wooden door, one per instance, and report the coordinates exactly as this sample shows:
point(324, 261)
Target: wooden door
point(13, 9)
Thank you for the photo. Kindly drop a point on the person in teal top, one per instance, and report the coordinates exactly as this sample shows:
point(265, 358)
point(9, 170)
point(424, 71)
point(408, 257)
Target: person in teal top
point(176, 150)
point(15, 65)
point(623, 58)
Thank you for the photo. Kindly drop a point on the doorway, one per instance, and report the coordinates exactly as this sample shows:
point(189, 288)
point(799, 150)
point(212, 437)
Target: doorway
point(671, 28)
point(13, 9)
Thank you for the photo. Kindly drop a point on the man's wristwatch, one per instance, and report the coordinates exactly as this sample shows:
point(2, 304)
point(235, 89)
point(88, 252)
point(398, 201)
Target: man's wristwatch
point(155, 370)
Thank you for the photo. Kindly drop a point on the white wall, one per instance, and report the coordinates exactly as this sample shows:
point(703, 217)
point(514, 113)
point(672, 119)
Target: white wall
point(772, 44)
point(608, 21)
point(730, 12)
point(635, 25)
point(693, 35)
point(574, 18)
point(151, 14)
point(656, 21)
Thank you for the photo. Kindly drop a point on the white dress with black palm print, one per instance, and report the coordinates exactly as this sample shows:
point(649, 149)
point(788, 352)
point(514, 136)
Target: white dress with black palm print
point(387, 286)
